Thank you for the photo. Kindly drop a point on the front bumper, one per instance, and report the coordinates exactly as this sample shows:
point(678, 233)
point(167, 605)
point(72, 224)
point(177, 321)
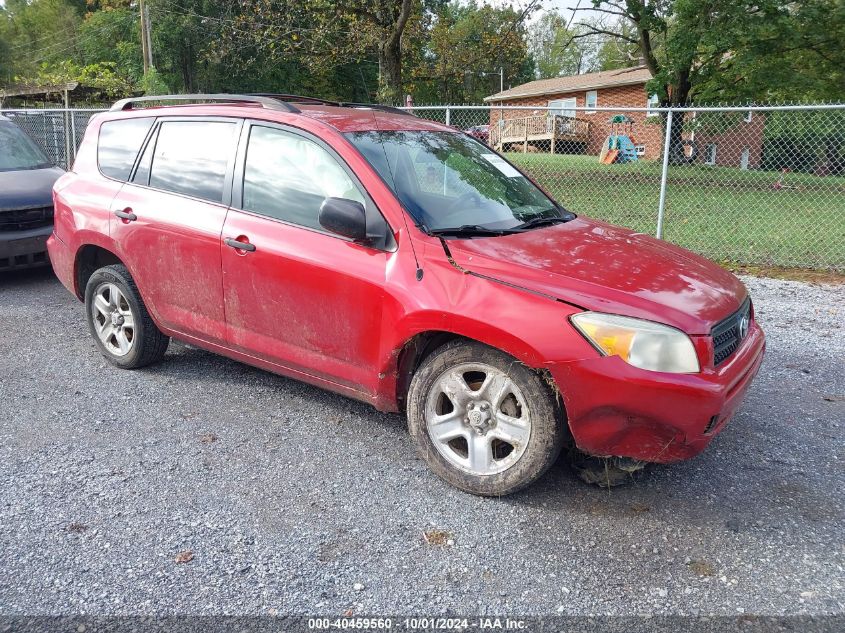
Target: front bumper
point(616, 409)
point(24, 249)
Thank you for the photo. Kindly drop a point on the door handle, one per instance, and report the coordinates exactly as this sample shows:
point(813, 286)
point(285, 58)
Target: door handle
point(238, 245)
point(126, 214)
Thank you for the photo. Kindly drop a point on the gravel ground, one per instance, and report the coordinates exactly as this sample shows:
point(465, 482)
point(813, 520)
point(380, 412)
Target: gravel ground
point(294, 500)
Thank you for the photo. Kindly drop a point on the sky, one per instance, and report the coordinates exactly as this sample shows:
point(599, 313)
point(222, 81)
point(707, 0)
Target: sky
point(564, 7)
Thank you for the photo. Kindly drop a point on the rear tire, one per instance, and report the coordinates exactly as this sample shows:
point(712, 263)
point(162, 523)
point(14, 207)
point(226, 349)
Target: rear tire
point(483, 421)
point(119, 321)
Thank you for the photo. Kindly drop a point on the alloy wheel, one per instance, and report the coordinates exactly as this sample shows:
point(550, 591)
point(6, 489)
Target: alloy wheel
point(113, 319)
point(478, 419)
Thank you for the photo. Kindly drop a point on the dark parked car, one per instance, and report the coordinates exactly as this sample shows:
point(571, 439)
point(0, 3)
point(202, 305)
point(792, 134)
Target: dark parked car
point(26, 199)
point(481, 132)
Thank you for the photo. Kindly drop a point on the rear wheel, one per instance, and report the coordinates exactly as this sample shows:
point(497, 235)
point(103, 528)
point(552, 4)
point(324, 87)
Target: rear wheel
point(483, 421)
point(119, 321)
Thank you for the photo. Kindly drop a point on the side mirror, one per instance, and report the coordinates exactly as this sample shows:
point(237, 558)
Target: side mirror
point(344, 217)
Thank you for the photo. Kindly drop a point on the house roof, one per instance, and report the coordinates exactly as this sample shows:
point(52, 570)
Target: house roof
point(587, 81)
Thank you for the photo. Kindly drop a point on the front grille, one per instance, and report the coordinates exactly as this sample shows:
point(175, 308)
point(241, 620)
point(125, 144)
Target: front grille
point(25, 219)
point(728, 333)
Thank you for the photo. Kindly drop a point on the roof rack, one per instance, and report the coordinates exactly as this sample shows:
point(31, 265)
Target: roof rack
point(271, 101)
point(265, 101)
point(293, 98)
point(338, 104)
point(377, 106)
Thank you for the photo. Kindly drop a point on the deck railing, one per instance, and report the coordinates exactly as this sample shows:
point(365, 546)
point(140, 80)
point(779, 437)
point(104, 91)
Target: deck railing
point(542, 127)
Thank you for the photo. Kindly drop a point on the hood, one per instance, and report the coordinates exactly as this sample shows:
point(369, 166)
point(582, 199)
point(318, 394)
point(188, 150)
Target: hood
point(605, 268)
point(25, 188)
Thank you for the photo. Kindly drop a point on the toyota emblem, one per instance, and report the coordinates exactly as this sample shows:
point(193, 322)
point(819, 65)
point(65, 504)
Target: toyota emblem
point(743, 325)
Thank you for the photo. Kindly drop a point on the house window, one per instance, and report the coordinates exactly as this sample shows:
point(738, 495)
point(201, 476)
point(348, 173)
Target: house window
point(640, 149)
point(591, 100)
point(711, 154)
point(653, 102)
point(563, 107)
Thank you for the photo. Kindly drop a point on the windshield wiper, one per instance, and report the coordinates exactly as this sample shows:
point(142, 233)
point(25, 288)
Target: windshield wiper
point(470, 230)
point(535, 222)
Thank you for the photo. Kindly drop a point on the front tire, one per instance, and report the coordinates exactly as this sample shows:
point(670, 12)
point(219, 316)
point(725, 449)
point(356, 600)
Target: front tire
point(483, 421)
point(119, 321)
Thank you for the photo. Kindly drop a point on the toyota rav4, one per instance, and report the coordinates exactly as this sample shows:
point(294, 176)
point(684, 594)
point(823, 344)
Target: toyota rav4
point(406, 264)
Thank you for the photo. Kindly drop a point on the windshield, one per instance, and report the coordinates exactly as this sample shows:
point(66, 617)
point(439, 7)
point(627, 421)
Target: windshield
point(448, 180)
point(18, 151)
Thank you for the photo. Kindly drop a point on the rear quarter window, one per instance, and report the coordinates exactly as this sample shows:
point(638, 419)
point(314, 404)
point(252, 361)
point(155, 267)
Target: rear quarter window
point(119, 144)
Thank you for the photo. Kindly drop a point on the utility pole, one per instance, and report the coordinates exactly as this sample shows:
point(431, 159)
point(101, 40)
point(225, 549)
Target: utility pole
point(146, 41)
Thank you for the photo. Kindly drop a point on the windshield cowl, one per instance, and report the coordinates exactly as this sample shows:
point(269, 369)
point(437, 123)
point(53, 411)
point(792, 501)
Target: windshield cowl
point(474, 230)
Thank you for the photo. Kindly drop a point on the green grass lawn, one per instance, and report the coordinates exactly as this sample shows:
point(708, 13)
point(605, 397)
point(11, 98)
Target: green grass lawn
point(721, 212)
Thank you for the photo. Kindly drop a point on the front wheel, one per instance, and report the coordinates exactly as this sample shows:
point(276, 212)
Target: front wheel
point(483, 421)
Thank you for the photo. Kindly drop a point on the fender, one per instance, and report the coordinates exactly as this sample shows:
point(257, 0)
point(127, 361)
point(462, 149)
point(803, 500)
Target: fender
point(482, 310)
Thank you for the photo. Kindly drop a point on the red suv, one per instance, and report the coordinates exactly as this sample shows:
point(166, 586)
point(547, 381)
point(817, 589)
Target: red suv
point(406, 264)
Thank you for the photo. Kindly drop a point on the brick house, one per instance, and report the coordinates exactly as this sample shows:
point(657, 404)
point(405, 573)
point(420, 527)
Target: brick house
point(740, 144)
point(584, 131)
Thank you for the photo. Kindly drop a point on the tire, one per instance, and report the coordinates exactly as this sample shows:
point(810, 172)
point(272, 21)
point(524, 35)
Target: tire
point(119, 321)
point(498, 422)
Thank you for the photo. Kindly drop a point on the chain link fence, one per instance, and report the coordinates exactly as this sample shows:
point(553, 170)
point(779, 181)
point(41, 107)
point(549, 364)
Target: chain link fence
point(742, 185)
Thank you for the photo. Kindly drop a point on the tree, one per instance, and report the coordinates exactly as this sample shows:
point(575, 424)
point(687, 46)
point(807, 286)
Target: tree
point(389, 18)
point(728, 49)
point(613, 52)
point(724, 49)
point(469, 45)
point(555, 51)
point(112, 36)
point(37, 32)
point(560, 49)
point(323, 34)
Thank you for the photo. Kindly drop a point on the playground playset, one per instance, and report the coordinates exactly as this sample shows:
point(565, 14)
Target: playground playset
point(620, 146)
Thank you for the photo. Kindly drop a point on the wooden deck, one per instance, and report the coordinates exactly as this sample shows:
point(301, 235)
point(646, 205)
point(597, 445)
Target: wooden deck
point(532, 129)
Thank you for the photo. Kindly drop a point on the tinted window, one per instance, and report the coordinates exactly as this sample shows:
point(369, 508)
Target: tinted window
point(191, 156)
point(286, 176)
point(119, 144)
point(18, 151)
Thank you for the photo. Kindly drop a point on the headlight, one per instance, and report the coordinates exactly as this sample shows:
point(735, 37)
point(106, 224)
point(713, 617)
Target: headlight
point(643, 344)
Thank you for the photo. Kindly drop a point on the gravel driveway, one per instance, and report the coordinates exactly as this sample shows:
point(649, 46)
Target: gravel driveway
point(280, 497)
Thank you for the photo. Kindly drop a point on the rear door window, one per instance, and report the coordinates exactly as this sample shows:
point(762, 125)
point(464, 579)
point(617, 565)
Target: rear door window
point(191, 158)
point(119, 144)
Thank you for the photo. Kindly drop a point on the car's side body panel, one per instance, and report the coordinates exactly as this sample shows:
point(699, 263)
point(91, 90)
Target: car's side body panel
point(173, 250)
point(82, 218)
point(304, 299)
